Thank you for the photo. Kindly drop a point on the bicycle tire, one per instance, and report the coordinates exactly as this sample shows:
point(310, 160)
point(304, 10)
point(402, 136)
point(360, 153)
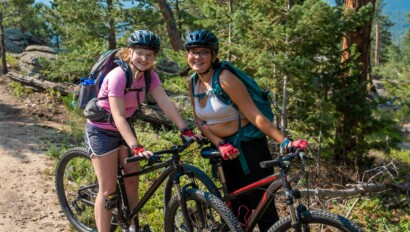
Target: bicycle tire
point(202, 177)
point(75, 171)
point(199, 203)
point(317, 221)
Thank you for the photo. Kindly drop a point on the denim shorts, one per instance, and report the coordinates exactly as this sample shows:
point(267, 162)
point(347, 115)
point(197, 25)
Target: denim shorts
point(100, 141)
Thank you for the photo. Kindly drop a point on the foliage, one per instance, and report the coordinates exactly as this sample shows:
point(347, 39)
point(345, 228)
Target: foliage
point(12, 61)
point(71, 66)
point(384, 24)
point(23, 15)
point(19, 90)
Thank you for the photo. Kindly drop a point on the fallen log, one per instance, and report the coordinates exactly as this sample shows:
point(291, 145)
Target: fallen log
point(357, 189)
point(150, 113)
point(41, 85)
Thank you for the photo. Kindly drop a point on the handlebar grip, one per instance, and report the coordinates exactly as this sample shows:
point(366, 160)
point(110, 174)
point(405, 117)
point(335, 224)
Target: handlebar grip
point(269, 163)
point(133, 159)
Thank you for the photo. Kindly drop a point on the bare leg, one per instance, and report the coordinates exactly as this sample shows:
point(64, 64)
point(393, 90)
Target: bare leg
point(131, 183)
point(106, 170)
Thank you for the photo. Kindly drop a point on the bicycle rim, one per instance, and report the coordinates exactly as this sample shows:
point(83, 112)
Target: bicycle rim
point(315, 221)
point(77, 188)
point(206, 213)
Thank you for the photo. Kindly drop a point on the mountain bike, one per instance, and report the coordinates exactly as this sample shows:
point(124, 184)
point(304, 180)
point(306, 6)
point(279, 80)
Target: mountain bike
point(77, 188)
point(300, 218)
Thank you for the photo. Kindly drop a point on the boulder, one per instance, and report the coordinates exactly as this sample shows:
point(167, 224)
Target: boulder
point(30, 59)
point(17, 41)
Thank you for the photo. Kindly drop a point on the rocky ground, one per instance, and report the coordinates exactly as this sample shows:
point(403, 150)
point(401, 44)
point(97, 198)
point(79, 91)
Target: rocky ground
point(27, 195)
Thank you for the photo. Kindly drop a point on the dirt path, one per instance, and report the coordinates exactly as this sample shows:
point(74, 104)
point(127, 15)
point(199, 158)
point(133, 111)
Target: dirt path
point(27, 195)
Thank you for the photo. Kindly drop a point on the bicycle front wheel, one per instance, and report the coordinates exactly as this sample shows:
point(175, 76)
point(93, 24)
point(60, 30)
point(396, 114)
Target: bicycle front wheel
point(317, 221)
point(77, 188)
point(200, 178)
point(206, 212)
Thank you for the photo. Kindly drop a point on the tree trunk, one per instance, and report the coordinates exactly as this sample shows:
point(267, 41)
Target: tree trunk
point(112, 42)
point(284, 110)
point(360, 37)
point(2, 46)
point(230, 6)
point(377, 45)
point(170, 21)
point(349, 131)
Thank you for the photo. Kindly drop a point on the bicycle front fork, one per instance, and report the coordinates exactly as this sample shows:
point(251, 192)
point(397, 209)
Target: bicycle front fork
point(181, 194)
point(295, 214)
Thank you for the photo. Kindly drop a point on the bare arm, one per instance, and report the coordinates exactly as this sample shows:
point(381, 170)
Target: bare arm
point(167, 106)
point(118, 113)
point(239, 95)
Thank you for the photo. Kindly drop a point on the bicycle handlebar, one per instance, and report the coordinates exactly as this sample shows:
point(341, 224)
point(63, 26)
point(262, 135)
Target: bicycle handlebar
point(173, 150)
point(280, 161)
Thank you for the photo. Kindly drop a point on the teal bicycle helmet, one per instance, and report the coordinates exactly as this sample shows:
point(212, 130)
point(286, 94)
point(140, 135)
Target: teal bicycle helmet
point(202, 38)
point(144, 39)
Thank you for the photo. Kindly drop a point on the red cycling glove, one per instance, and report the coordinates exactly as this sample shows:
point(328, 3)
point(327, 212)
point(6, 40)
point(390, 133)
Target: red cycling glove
point(291, 146)
point(187, 134)
point(227, 149)
point(137, 149)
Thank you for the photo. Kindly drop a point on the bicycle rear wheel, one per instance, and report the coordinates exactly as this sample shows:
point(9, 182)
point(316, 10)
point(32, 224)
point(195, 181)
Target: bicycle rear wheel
point(206, 212)
point(77, 188)
point(201, 179)
point(317, 221)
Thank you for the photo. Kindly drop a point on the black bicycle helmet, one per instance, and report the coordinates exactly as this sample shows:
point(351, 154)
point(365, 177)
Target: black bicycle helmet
point(144, 39)
point(202, 38)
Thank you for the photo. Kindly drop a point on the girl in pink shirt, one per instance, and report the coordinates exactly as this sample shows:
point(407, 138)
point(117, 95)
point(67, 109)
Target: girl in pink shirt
point(108, 142)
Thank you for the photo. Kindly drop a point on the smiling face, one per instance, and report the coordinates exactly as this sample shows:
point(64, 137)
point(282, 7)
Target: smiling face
point(142, 58)
point(200, 59)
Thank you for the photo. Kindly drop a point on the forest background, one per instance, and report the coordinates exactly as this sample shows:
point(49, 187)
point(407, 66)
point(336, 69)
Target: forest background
point(320, 62)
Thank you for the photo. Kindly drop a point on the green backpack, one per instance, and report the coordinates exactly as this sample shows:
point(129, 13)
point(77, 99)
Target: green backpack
point(260, 97)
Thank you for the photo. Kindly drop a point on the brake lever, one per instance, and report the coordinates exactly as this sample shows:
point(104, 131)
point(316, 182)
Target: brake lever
point(152, 160)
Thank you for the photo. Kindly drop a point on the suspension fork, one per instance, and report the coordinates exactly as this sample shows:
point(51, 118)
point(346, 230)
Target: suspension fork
point(290, 195)
point(181, 193)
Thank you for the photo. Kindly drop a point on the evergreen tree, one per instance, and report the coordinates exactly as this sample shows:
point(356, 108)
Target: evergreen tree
point(88, 28)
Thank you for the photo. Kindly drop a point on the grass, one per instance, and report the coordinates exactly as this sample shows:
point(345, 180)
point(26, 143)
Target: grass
point(19, 90)
point(370, 212)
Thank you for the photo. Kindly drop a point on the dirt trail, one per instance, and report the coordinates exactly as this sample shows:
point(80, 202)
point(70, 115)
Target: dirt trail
point(27, 195)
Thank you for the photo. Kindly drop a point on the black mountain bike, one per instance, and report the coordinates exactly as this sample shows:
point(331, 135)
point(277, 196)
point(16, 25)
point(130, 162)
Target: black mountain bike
point(300, 218)
point(77, 188)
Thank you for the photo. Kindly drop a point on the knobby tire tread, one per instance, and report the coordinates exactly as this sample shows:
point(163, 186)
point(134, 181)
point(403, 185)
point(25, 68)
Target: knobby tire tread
point(319, 217)
point(200, 176)
point(208, 199)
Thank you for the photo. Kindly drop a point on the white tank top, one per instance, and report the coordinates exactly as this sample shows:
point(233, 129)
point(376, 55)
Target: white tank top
point(215, 111)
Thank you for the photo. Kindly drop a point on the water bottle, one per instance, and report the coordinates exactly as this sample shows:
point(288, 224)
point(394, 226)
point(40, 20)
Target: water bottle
point(87, 92)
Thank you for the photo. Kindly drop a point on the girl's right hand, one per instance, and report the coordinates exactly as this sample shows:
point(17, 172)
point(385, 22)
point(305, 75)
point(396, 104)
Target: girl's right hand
point(141, 152)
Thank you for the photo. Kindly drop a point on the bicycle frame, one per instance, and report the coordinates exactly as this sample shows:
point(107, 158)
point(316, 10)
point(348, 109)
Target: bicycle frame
point(275, 181)
point(172, 166)
point(275, 184)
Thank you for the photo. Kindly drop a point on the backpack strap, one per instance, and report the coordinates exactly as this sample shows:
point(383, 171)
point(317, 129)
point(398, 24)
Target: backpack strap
point(216, 85)
point(127, 71)
point(217, 89)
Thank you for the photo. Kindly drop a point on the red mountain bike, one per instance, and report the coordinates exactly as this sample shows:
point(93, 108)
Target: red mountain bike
point(300, 218)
